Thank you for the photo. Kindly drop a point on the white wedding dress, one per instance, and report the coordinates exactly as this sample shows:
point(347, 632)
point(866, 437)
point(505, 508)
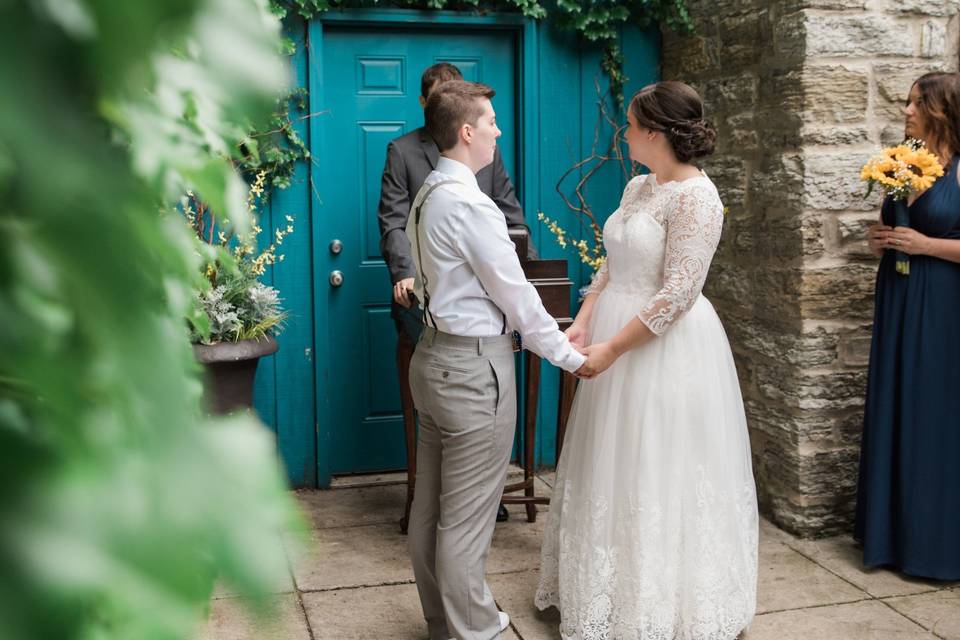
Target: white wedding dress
point(652, 529)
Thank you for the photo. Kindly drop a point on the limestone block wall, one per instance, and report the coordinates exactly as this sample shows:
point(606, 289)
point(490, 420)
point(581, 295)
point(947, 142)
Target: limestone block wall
point(802, 92)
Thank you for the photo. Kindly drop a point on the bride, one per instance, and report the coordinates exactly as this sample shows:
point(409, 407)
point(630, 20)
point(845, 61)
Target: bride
point(652, 529)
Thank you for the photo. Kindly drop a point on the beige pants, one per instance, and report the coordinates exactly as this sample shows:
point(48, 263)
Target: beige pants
point(466, 400)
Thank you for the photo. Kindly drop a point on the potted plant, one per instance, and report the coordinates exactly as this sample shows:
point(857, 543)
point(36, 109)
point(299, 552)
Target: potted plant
point(236, 317)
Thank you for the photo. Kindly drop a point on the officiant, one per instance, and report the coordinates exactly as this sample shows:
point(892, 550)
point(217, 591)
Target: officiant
point(410, 159)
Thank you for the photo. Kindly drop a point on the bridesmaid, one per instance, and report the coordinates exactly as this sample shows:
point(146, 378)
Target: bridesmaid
point(908, 498)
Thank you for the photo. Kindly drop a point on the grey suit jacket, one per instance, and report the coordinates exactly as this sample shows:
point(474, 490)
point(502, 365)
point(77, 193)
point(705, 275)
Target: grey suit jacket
point(410, 159)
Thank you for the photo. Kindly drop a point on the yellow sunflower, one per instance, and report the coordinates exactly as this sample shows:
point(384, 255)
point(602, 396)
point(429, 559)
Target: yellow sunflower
point(924, 168)
point(902, 169)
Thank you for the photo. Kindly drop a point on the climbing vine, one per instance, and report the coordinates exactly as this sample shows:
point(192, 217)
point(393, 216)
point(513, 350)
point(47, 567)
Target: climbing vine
point(277, 150)
point(595, 20)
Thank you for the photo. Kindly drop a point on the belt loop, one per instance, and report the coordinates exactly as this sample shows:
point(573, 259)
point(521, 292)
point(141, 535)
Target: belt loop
point(479, 346)
point(431, 334)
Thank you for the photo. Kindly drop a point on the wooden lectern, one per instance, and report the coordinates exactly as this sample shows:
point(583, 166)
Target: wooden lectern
point(549, 278)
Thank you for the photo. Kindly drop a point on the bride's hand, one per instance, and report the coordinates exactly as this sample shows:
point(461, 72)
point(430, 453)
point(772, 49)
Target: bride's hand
point(599, 357)
point(577, 336)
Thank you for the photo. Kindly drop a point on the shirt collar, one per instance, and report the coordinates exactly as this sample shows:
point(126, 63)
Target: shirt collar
point(457, 170)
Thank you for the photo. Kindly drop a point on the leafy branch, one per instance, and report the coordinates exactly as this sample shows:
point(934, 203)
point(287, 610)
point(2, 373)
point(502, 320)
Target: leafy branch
point(597, 21)
point(600, 155)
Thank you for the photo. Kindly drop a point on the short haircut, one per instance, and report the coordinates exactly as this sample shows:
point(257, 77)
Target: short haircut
point(452, 105)
point(440, 72)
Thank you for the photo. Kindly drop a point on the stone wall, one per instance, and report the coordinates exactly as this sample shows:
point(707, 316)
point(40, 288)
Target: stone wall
point(802, 92)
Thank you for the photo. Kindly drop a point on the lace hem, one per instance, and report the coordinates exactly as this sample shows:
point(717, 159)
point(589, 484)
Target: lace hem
point(702, 586)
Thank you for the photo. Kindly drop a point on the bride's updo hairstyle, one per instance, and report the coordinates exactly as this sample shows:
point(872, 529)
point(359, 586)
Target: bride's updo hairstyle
point(675, 109)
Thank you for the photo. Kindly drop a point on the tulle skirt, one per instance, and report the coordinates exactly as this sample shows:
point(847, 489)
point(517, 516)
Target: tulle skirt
point(652, 529)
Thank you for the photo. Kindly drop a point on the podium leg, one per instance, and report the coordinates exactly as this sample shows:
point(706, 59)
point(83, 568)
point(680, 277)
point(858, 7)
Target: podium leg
point(530, 430)
point(404, 355)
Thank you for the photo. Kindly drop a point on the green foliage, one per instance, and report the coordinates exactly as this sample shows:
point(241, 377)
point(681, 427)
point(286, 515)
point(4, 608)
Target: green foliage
point(595, 20)
point(120, 501)
point(276, 149)
point(231, 303)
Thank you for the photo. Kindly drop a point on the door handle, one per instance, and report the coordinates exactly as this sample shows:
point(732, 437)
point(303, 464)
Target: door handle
point(336, 278)
point(336, 247)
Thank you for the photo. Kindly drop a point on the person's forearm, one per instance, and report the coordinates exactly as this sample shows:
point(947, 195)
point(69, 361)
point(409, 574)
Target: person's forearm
point(945, 249)
point(395, 248)
point(586, 310)
point(631, 336)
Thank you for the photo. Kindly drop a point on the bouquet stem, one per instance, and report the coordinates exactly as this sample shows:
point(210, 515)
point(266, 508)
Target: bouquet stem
point(901, 218)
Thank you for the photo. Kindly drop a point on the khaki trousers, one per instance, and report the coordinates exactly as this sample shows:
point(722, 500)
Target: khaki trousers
point(466, 399)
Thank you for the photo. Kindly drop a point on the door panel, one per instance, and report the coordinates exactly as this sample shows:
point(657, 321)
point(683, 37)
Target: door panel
point(371, 82)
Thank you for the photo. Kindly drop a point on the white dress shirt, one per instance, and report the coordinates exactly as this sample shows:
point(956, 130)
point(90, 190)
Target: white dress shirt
point(473, 274)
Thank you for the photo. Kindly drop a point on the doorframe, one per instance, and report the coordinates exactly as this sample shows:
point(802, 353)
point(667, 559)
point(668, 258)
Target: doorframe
point(526, 33)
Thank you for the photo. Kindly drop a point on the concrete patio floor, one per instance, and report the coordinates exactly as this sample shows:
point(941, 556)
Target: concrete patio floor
point(354, 582)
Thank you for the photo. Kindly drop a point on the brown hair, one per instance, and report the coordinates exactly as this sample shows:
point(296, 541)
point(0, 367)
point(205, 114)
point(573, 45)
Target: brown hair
point(452, 105)
point(939, 106)
point(676, 110)
point(440, 72)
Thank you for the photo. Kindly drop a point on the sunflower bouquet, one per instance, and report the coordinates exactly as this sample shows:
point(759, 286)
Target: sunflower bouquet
point(900, 171)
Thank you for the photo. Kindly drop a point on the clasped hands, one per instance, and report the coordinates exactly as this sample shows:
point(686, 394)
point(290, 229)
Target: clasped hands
point(599, 356)
point(905, 239)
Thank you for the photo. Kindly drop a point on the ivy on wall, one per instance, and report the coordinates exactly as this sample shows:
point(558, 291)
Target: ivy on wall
point(278, 149)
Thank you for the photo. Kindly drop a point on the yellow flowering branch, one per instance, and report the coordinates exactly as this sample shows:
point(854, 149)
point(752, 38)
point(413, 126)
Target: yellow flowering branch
point(590, 255)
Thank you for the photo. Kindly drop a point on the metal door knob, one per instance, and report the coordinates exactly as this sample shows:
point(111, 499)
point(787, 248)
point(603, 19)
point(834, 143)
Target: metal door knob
point(336, 278)
point(336, 247)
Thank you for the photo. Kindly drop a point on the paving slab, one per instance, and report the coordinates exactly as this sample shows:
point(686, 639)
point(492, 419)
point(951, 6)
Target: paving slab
point(280, 581)
point(369, 479)
point(370, 613)
point(549, 477)
point(938, 611)
point(842, 556)
point(867, 620)
point(770, 531)
point(514, 594)
point(351, 557)
point(234, 619)
point(516, 544)
point(787, 580)
point(348, 507)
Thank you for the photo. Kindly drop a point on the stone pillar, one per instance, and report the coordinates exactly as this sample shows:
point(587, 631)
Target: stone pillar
point(802, 92)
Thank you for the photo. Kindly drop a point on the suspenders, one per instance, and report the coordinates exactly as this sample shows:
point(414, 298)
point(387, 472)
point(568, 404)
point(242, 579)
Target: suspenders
point(423, 274)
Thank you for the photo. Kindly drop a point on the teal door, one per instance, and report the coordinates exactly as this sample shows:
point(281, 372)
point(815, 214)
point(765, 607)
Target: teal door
point(370, 79)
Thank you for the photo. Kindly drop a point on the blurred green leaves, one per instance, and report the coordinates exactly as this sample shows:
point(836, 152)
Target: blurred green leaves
point(119, 501)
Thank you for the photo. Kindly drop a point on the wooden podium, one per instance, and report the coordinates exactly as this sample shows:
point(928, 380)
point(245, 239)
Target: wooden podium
point(549, 278)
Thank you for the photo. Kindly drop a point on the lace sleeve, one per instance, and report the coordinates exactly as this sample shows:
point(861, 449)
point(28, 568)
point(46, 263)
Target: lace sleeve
point(599, 280)
point(693, 232)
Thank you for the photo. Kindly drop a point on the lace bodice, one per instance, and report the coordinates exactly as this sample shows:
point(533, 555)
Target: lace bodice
point(659, 244)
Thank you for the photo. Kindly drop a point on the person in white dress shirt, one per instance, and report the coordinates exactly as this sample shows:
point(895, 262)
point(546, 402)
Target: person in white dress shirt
point(474, 295)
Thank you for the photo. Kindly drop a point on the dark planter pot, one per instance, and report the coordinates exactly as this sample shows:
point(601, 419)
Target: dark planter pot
point(229, 371)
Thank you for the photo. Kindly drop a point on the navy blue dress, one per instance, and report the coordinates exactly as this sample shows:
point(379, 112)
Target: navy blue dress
point(908, 497)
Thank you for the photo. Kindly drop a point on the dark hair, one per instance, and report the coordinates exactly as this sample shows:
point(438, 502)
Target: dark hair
point(452, 105)
point(675, 109)
point(939, 106)
point(440, 72)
